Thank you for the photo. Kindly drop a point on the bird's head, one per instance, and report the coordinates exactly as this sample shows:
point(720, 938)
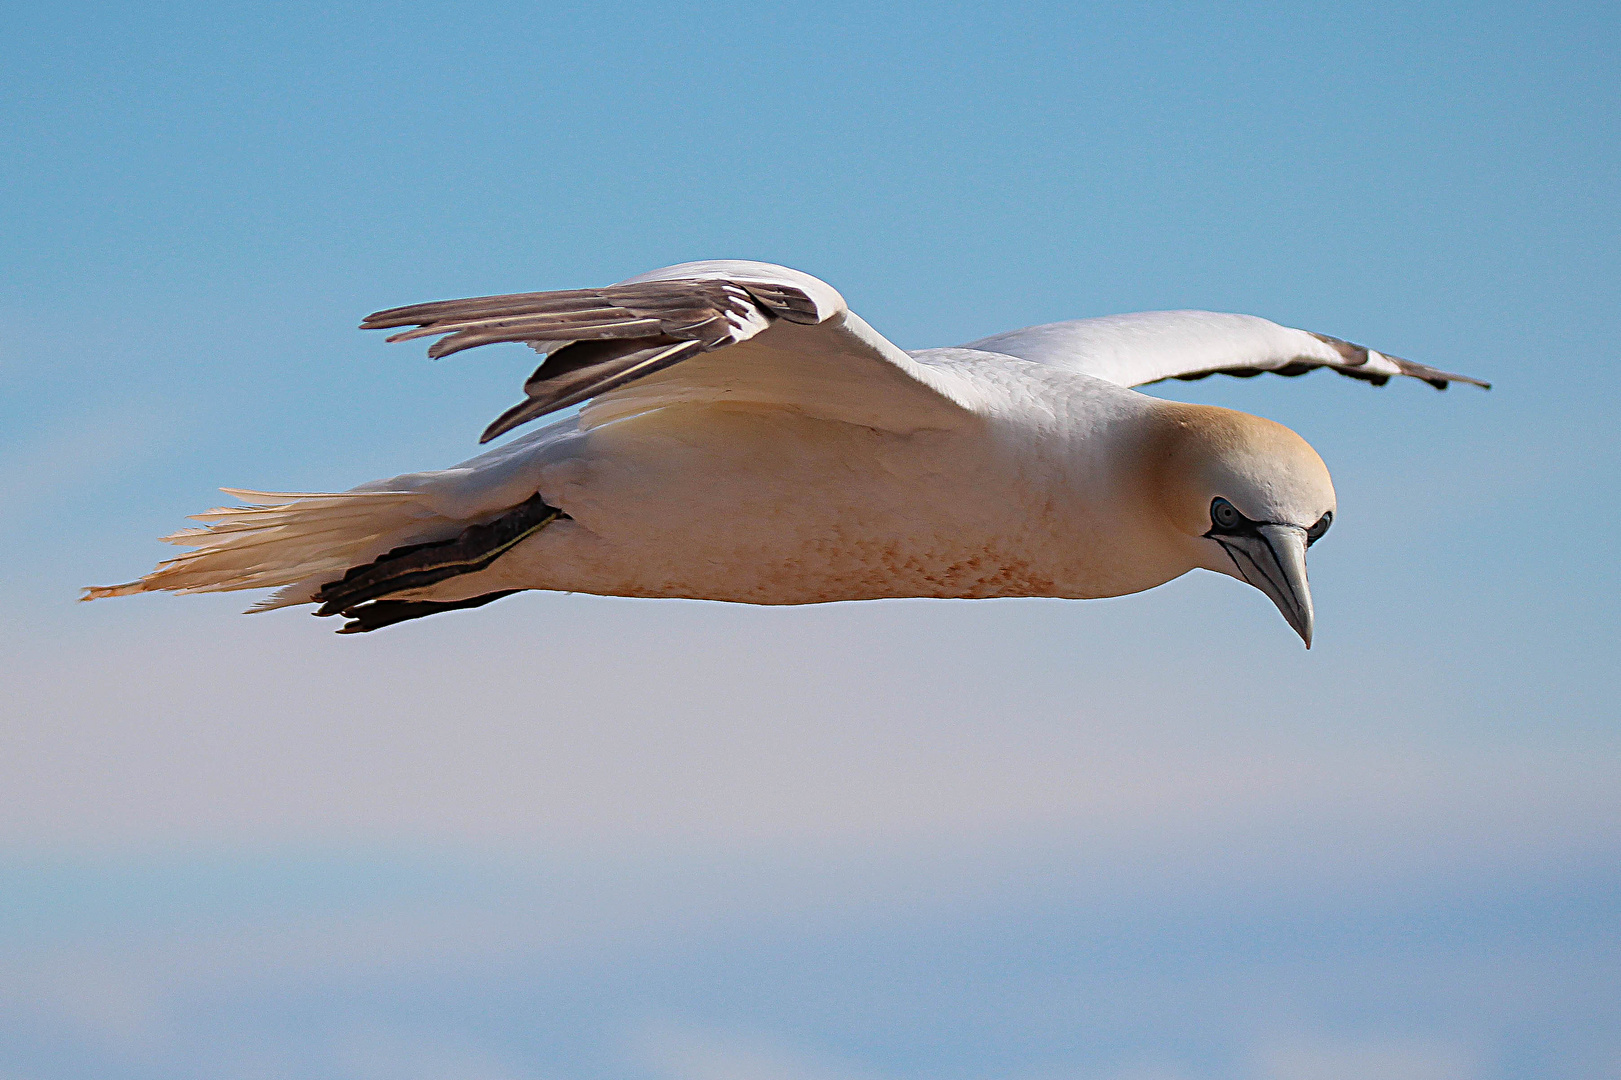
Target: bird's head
point(1248, 497)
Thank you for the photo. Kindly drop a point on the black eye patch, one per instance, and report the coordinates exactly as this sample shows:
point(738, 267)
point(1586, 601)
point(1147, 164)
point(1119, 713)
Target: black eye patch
point(1227, 520)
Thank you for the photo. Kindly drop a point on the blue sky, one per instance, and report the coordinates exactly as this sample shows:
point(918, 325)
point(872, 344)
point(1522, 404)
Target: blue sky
point(575, 837)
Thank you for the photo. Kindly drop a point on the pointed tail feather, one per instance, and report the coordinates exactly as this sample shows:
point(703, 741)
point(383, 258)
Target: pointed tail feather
point(291, 541)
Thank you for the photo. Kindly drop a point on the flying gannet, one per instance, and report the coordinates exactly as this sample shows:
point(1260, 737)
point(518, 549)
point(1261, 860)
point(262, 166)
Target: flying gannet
point(747, 437)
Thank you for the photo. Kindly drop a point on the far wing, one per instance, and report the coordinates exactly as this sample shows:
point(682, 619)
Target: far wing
point(732, 331)
point(1146, 347)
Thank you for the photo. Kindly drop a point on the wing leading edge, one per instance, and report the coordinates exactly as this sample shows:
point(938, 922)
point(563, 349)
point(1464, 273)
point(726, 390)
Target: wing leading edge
point(1151, 346)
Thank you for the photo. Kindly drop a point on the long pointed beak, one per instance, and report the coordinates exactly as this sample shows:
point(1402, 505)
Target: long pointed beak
point(1275, 562)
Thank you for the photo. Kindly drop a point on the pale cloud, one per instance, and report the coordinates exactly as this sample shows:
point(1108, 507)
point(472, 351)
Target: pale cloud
point(360, 976)
point(388, 1053)
point(579, 724)
point(673, 1051)
point(683, 1052)
point(103, 1000)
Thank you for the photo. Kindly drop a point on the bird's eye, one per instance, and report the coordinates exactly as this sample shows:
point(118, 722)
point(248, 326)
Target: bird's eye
point(1315, 533)
point(1224, 515)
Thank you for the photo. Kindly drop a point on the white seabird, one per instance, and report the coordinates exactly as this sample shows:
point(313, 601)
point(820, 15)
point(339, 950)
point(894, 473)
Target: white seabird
point(747, 437)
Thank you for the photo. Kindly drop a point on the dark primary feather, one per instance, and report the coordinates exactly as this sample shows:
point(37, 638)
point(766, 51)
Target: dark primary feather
point(1354, 357)
point(609, 337)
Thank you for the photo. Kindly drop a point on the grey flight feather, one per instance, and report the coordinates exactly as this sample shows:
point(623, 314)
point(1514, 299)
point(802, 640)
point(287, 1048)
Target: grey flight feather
point(599, 339)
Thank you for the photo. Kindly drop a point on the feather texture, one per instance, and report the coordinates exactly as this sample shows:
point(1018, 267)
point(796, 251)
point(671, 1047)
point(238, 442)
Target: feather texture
point(1150, 346)
point(605, 337)
point(280, 543)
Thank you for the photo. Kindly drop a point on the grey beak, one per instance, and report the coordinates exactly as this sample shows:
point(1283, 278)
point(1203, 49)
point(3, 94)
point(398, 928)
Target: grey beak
point(1274, 561)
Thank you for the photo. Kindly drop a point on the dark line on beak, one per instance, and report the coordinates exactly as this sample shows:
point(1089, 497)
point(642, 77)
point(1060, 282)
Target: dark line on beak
point(1233, 552)
point(1279, 560)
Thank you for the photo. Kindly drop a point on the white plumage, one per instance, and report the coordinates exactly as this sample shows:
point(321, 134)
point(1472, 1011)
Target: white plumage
point(747, 437)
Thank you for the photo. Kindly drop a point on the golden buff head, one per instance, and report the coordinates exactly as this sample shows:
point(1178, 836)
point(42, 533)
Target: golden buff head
point(1247, 496)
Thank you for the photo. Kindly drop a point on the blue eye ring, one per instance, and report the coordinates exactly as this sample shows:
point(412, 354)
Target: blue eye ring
point(1224, 516)
point(1315, 533)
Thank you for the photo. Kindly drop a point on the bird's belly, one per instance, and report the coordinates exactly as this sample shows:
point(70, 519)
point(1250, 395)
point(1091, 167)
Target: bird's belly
point(776, 508)
point(824, 561)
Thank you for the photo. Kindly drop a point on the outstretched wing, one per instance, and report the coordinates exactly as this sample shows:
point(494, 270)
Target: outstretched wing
point(1149, 346)
point(743, 332)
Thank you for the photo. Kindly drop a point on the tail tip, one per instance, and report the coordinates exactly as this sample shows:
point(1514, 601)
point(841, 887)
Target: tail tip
point(101, 592)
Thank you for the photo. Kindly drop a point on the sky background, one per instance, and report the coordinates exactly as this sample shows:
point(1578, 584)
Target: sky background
point(578, 838)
